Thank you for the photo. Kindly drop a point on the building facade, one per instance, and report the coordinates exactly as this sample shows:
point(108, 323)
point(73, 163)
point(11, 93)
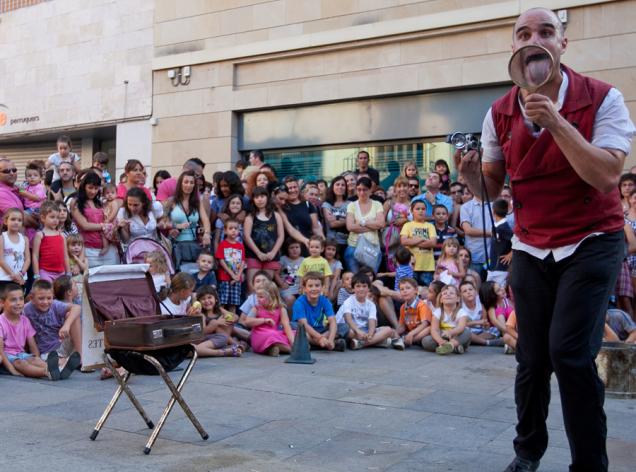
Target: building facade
point(80, 68)
point(309, 82)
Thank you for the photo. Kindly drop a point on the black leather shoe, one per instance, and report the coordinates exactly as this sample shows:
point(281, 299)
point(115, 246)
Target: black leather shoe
point(522, 465)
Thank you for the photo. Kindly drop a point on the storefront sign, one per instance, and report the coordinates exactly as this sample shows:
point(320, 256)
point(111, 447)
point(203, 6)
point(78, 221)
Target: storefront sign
point(6, 120)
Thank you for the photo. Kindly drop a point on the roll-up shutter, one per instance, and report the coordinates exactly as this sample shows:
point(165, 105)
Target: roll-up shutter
point(21, 154)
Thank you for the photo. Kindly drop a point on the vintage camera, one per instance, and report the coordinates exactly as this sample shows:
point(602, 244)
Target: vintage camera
point(464, 141)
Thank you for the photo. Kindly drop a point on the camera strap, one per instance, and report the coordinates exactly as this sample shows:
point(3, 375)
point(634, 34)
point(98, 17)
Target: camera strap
point(485, 202)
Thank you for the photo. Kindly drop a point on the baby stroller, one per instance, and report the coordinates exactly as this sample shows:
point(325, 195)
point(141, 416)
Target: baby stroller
point(137, 249)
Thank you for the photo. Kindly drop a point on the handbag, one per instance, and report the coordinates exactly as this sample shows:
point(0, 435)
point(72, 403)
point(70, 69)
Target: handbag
point(186, 251)
point(366, 252)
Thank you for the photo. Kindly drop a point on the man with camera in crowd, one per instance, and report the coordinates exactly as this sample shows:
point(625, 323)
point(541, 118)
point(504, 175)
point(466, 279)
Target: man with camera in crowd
point(564, 147)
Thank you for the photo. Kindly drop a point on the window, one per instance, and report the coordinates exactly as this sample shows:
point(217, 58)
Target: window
point(388, 158)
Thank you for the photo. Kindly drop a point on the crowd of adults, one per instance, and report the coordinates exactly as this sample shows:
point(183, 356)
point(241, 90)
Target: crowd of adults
point(186, 210)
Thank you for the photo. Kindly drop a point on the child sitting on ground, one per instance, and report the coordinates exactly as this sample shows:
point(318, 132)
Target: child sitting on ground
point(64, 290)
point(511, 335)
point(57, 323)
point(415, 316)
point(388, 300)
point(493, 298)
point(218, 324)
point(482, 332)
point(205, 275)
point(357, 318)
point(316, 263)
point(314, 311)
point(449, 332)
point(619, 327)
point(158, 269)
point(346, 290)
point(17, 334)
point(432, 294)
point(178, 301)
point(270, 313)
point(287, 278)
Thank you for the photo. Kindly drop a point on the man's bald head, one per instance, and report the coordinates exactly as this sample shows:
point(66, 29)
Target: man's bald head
point(557, 23)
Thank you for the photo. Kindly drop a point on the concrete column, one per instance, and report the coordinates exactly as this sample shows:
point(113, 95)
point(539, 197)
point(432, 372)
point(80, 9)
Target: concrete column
point(134, 141)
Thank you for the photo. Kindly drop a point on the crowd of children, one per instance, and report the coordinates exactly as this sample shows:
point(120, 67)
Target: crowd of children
point(267, 269)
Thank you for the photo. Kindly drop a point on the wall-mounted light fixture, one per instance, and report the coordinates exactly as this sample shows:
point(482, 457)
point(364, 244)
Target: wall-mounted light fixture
point(180, 75)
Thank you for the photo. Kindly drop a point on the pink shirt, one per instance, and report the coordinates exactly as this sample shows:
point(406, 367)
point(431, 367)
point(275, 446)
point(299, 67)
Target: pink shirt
point(167, 189)
point(122, 190)
point(14, 336)
point(9, 199)
point(38, 190)
point(93, 239)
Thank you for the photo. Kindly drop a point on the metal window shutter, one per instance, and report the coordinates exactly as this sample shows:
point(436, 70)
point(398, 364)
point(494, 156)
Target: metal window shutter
point(22, 154)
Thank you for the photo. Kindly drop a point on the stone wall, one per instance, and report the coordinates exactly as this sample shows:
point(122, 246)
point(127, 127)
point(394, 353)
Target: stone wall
point(69, 63)
point(200, 119)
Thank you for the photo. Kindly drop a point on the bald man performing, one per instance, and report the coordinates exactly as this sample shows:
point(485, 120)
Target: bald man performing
point(563, 147)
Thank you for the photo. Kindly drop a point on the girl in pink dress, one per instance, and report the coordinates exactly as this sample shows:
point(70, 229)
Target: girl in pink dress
point(450, 269)
point(494, 300)
point(266, 318)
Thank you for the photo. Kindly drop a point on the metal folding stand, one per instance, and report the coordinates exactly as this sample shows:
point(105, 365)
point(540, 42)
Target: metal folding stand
point(175, 397)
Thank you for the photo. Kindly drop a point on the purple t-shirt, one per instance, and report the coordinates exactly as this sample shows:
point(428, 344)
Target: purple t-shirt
point(47, 325)
point(14, 336)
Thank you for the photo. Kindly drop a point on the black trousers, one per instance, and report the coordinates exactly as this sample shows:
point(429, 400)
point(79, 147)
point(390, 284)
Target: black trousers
point(560, 310)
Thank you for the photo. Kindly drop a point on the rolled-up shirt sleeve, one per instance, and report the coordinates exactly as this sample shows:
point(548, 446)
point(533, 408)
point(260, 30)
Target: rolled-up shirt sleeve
point(489, 140)
point(613, 129)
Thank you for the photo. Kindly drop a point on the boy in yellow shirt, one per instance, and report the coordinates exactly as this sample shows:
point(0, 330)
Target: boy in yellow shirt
point(420, 237)
point(316, 263)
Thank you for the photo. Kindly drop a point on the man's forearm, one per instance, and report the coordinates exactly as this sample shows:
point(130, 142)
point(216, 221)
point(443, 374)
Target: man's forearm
point(598, 167)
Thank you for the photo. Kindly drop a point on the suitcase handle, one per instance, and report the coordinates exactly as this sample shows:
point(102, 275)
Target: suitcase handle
point(179, 331)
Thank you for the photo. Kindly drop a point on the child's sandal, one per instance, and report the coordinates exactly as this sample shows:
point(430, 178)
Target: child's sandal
point(232, 351)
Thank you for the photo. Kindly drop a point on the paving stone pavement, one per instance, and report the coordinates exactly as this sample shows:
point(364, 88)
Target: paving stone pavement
point(371, 410)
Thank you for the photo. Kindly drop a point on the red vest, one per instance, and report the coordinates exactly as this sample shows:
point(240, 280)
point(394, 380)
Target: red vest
point(553, 206)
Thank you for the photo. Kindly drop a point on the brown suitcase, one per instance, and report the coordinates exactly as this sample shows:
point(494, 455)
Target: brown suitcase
point(153, 332)
point(125, 306)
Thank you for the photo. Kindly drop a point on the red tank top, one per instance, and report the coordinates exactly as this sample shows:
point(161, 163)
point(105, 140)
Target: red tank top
point(52, 253)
